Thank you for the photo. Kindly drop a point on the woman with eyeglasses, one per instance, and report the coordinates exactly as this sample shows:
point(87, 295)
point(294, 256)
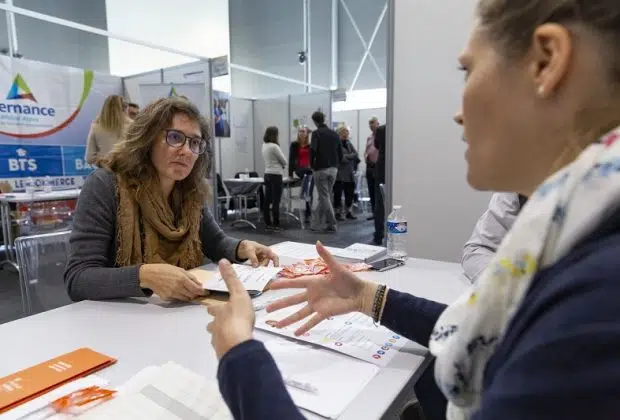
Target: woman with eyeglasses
point(107, 129)
point(141, 220)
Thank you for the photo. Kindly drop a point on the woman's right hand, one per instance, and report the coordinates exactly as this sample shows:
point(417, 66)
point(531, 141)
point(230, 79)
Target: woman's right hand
point(336, 293)
point(170, 282)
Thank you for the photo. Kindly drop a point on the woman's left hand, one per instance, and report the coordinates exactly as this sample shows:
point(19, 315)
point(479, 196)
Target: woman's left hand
point(233, 321)
point(258, 254)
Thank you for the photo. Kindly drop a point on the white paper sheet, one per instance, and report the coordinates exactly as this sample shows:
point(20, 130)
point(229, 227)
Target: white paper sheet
point(298, 250)
point(253, 279)
point(338, 378)
point(166, 392)
point(353, 334)
point(360, 252)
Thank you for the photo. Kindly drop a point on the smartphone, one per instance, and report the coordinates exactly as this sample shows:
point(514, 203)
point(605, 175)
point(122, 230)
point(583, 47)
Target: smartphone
point(386, 264)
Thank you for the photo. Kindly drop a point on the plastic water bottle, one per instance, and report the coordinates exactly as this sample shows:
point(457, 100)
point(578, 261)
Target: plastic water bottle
point(47, 184)
point(29, 186)
point(396, 234)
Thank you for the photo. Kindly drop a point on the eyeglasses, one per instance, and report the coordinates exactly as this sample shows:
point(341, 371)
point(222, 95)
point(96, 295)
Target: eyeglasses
point(177, 139)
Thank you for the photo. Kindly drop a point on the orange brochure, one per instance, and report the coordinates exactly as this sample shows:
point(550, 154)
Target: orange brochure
point(34, 381)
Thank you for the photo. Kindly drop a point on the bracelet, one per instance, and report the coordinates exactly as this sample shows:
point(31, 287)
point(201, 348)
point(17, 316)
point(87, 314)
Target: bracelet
point(377, 305)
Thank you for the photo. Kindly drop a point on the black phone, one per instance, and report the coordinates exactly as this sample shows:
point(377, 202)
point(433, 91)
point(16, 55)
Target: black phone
point(386, 264)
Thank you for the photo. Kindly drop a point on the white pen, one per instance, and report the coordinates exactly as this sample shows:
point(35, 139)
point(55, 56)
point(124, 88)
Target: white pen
point(304, 386)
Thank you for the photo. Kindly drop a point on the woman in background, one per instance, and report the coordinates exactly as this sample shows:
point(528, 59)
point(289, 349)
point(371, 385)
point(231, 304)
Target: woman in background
point(299, 164)
point(107, 129)
point(275, 162)
point(345, 179)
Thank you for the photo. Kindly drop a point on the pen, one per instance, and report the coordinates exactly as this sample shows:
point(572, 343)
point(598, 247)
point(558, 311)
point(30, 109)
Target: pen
point(304, 386)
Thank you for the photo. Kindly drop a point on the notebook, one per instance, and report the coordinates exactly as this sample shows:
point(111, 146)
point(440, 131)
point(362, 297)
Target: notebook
point(360, 252)
point(256, 280)
point(34, 381)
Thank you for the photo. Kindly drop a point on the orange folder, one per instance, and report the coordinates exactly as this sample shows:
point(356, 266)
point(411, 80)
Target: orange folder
point(34, 381)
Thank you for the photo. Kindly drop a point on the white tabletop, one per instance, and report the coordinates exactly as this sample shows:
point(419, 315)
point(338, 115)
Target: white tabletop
point(22, 197)
point(143, 332)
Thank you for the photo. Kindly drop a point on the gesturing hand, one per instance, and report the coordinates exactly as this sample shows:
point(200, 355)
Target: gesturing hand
point(170, 282)
point(233, 321)
point(258, 254)
point(336, 293)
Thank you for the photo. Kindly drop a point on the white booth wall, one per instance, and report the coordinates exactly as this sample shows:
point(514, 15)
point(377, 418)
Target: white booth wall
point(428, 168)
point(236, 153)
point(357, 121)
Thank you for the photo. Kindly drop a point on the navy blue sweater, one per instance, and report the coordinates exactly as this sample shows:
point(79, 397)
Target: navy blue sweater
point(560, 358)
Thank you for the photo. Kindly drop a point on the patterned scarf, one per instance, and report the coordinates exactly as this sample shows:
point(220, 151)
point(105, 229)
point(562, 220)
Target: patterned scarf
point(148, 231)
point(563, 211)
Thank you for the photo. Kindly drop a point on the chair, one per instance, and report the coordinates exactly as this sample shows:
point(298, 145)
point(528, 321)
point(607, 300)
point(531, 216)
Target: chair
point(361, 192)
point(223, 197)
point(296, 202)
point(41, 261)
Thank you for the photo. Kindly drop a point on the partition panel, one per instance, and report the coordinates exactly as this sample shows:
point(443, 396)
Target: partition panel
point(236, 153)
point(428, 168)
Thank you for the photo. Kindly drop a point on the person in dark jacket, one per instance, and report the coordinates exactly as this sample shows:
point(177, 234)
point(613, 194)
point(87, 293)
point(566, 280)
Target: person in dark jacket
point(537, 335)
point(379, 209)
point(300, 157)
point(345, 178)
point(325, 156)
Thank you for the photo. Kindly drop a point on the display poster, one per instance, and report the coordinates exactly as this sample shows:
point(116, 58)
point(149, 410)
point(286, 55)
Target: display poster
point(45, 115)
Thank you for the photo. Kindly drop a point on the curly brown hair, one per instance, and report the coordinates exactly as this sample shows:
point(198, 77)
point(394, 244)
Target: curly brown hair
point(131, 157)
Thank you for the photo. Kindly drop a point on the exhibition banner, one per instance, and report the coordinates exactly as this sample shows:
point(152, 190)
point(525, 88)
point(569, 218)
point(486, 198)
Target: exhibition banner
point(196, 93)
point(45, 116)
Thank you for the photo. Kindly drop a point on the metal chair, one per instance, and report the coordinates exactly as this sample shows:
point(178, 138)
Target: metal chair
point(223, 198)
point(41, 260)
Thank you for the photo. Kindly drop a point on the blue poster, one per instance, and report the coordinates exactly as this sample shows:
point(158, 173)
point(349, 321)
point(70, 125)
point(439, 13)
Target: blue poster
point(74, 162)
point(30, 161)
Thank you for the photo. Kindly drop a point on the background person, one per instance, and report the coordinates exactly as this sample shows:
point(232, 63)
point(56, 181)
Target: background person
point(371, 155)
point(132, 110)
point(275, 162)
point(326, 154)
point(379, 208)
point(108, 128)
point(345, 178)
point(489, 232)
point(141, 219)
point(299, 165)
point(537, 335)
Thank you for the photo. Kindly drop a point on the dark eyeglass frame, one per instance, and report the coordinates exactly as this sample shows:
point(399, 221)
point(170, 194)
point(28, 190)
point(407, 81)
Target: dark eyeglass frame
point(202, 145)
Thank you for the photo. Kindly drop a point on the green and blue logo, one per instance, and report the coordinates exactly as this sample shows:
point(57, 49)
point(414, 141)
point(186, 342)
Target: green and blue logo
point(20, 90)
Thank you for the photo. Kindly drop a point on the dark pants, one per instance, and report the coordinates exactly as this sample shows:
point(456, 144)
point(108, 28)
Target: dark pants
point(300, 173)
point(349, 190)
point(433, 402)
point(379, 213)
point(273, 195)
point(370, 179)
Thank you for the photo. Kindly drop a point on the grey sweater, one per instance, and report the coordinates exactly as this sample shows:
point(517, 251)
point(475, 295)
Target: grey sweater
point(91, 272)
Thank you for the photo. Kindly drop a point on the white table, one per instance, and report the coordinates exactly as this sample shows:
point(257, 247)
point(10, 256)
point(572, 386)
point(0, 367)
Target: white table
point(21, 197)
point(144, 332)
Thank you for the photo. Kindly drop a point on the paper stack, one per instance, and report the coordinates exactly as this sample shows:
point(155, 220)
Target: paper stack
point(164, 392)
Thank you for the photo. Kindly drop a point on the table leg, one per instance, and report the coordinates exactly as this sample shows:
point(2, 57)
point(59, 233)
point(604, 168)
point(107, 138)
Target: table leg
point(242, 207)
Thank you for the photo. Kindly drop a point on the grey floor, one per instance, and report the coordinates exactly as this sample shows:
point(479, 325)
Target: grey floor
point(52, 294)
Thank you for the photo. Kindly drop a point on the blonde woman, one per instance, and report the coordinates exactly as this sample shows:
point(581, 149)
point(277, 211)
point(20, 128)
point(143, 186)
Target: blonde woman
point(300, 157)
point(107, 129)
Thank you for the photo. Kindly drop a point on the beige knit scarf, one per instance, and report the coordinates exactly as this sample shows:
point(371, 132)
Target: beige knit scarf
point(148, 232)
